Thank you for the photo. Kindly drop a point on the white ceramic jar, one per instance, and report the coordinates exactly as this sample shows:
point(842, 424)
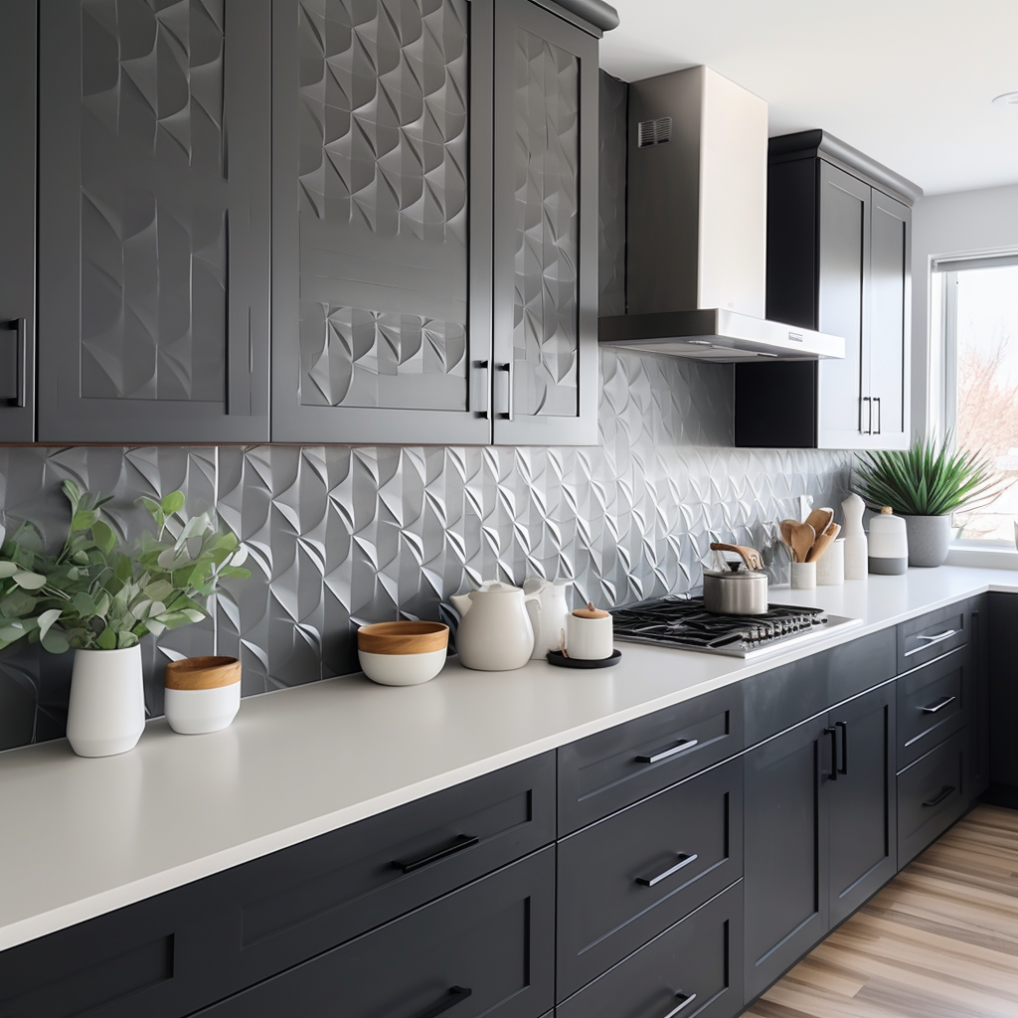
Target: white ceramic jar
point(202, 694)
point(589, 634)
point(888, 544)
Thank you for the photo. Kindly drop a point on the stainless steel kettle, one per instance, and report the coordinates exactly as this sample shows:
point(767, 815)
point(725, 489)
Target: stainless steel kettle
point(739, 587)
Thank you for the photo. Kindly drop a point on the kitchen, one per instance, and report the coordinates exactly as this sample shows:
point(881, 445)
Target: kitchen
point(624, 501)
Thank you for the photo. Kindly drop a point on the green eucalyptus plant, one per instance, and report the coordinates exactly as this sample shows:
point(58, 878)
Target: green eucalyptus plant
point(95, 595)
point(925, 480)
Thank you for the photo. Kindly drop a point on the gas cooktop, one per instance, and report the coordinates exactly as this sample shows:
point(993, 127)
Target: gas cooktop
point(684, 623)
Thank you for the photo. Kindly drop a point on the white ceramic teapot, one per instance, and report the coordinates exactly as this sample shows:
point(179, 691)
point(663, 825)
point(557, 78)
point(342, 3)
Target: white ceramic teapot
point(554, 609)
point(495, 634)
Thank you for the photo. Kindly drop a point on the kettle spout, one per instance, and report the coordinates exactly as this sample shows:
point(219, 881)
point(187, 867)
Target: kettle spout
point(461, 602)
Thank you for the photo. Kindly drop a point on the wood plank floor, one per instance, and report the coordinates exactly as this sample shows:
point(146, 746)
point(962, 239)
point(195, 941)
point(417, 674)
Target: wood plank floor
point(940, 941)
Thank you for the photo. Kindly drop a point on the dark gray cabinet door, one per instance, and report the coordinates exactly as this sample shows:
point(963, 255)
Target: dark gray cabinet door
point(786, 857)
point(154, 170)
point(17, 221)
point(890, 320)
point(863, 809)
point(844, 274)
point(381, 221)
point(545, 229)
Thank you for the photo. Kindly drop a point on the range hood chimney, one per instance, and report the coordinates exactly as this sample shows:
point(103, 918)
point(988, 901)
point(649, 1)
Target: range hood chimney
point(697, 233)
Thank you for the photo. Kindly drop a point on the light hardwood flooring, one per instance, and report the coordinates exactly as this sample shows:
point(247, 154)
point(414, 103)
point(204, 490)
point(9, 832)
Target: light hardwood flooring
point(940, 941)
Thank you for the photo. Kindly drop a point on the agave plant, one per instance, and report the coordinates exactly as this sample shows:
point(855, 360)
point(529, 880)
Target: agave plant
point(926, 480)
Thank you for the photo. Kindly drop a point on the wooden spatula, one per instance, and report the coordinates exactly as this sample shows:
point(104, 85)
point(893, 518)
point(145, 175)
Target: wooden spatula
point(821, 543)
point(820, 519)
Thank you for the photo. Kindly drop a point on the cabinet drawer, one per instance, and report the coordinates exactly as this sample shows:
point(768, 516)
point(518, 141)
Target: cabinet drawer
point(171, 954)
point(929, 636)
point(931, 796)
point(486, 950)
point(615, 768)
point(698, 959)
point(625, 879)
point(933, 703)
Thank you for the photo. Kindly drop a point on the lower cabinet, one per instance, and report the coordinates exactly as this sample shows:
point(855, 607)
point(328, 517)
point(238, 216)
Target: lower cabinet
point(486, 949)
point(820, 830)
point(692, 969)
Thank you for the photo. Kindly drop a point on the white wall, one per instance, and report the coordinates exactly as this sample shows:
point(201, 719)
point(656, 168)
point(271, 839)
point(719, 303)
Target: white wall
point(962, 223)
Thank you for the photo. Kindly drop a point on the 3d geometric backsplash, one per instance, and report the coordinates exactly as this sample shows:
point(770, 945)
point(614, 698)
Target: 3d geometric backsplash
point(340, 535)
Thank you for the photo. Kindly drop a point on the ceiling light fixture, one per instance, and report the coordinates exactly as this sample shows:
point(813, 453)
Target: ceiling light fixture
point(1007, 99)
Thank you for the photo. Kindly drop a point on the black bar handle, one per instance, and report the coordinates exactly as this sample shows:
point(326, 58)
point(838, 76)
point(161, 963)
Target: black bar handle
point(868, 430)
point(684, 860)
point(843, 725)
point(507, 414)
point(679, 747)
point(687, 999)
point(833, 733)
point(20, 328)
point(932, 708)
point(880, 415)
point(456, 995)
point(460, 842)
point(938, 799)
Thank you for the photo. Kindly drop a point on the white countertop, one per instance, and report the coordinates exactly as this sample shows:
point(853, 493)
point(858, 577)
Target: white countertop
point(80, 837)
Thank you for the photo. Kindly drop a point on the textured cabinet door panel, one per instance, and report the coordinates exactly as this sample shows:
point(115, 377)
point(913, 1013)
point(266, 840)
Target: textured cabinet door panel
point(381, 243)
point(628, 877)
point(890, 320)
point(613, 769)
point(863, 831)
point(17, 221)
point(698, 959)
point(154, 169)
point(787, 858)
point(932, 794)
point(486, 949)
point(843, 309)
point(545, 283)
point(934, 701)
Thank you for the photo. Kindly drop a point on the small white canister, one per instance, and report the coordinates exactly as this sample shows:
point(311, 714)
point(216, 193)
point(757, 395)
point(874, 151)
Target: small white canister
point(831, 565)
point(202, 694)
point(888, 545)
point(589, 634)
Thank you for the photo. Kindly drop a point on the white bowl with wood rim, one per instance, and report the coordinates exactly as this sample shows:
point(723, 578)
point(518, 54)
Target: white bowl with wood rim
point(202, 694)
point(402, 653)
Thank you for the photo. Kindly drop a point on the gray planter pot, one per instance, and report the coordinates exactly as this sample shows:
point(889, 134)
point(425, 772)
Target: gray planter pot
point(928, 539)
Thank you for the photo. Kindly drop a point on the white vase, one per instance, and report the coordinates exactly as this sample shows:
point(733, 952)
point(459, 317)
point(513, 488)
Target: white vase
point(107, 710)
point(856, 547)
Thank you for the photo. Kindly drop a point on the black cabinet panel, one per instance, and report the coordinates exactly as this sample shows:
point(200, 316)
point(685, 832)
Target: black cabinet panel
point(934, 701)
point(17, 221)
point(863, 831)
point(623, 880)
point(787, 854)
point(695, 965)
point(932, 795)
point(154, 170)
point(1003, 690)
point(614, 768)
point(486, 949)
point(979, 726)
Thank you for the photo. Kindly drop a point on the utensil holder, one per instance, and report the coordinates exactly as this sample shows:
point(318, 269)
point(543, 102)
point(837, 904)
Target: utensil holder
point(804, 575)
point(831, 565)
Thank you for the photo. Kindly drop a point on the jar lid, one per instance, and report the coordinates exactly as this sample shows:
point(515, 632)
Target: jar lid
point(887, 511)
point(590, 612)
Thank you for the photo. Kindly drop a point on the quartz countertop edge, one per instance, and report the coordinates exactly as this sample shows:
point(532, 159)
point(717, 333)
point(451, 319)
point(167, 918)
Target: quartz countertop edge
point(82, 837)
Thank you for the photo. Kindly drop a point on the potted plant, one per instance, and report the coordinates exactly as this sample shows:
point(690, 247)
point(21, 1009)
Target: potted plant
point(925, 485)
point(100, 600)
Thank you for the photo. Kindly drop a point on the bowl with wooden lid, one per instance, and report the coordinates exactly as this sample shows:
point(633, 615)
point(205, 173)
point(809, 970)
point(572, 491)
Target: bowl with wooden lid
point(202, 694)
point(402, 653)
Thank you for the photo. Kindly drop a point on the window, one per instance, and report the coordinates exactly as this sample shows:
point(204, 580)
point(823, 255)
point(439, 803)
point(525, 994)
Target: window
point(979, 301)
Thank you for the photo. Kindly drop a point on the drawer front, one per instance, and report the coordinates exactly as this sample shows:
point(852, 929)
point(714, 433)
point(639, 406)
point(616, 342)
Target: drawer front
point(486, 949)
point(933, 703)
point(627, 878)
point(931, 796)
point(169, 955)
point(929, 636)
point(613, 769)
point(698, 960)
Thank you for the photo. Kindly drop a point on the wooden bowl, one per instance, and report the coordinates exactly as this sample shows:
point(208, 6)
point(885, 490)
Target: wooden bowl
point(202, 673)
point(403, 637)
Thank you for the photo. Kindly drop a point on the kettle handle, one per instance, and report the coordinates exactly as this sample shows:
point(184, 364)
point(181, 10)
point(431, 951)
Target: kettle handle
point(534, 599)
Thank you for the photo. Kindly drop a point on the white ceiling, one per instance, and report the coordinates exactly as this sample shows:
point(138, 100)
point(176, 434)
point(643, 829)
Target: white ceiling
point(908, 82)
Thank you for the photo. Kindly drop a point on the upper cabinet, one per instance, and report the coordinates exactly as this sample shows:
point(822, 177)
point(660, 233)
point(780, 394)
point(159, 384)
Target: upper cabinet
point(17, 222)
point(434, 240)
point(838, 260)
point(154, 220)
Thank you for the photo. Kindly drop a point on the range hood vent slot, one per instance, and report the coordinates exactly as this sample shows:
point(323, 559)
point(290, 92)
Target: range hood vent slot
point(655, 132)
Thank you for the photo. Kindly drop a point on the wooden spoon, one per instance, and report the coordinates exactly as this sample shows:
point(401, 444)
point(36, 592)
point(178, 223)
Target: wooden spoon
point(786, 531)
point(821, 543)
point(803, 536)
point(820, 519)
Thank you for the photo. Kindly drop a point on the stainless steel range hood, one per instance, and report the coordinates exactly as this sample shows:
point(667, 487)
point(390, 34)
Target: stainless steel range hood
point(697, 222)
